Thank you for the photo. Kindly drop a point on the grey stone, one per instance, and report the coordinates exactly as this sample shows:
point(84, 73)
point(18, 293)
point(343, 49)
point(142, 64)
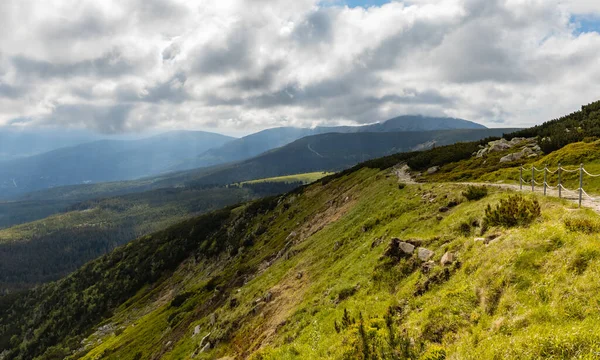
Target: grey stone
point(427, 266)
point(424, 254)
point(406, 247)
point(433, 170)
point(447, 259)
point(512, 157)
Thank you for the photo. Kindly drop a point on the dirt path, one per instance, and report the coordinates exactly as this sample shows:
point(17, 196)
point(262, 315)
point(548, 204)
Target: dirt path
point(311, 149)
point(405, 177)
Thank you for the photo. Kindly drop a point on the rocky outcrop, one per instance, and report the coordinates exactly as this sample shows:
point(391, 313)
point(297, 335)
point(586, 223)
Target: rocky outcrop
point(527, 148)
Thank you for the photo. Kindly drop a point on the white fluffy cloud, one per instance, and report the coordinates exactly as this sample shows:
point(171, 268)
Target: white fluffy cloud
point(238, 66)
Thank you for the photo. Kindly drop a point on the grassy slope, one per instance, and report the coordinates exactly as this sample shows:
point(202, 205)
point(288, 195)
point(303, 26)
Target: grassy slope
point(489, 169)
point(63, 242)
point(305, 178)
point(532, 293)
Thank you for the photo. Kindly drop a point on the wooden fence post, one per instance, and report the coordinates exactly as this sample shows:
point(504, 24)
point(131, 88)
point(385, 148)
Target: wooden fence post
point(521, 178)
point(532, 178)
point(559, 184)
point(545, 178)
point(580, 183)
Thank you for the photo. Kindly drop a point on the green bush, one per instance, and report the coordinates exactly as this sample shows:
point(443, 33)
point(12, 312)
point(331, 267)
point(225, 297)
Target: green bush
point(584, 225)
point(513, 211)
point(474, 193)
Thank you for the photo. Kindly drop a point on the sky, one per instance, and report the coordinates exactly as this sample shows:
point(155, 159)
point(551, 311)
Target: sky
point(239, 66)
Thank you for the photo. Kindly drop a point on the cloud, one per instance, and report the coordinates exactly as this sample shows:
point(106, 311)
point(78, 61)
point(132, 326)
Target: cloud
point(236, 65)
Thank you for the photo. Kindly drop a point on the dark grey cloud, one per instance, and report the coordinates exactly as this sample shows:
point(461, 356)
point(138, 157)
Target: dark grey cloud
point(110, 64)
point(103, 119)
point(234, 54)
point(317, 27)
point(126, 65)
point(172, 90)
point(11, 92)
point(412, 96)
point(261, 80)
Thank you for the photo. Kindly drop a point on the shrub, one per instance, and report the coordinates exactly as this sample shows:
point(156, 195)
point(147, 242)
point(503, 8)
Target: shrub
point(513, 211)
point(464, 228)
point(180, 299)
point(474, 193)
point(584, 225)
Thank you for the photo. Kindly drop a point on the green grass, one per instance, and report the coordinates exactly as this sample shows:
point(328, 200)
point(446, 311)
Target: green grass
point(305, 178)
point(531, 293)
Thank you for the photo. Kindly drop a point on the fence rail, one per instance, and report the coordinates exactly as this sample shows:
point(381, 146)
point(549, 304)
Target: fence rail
point(580, 192)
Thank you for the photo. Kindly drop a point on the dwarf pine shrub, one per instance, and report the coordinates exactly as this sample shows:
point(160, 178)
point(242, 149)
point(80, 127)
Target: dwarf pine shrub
point(513, 211)
point(474, 193)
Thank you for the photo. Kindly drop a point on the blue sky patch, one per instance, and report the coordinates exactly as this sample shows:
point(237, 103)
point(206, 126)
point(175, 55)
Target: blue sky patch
point(355, 3)
point(586, 23)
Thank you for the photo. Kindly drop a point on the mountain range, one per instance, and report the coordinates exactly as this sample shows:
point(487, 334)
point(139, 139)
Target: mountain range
point(118, 160)
point(362, 264)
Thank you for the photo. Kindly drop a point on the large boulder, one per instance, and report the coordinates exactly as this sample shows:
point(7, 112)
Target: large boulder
point(499, 145)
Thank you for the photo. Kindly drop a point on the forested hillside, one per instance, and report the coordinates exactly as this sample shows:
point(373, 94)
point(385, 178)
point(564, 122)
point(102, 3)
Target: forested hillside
point(61, 243)
point(355, 266)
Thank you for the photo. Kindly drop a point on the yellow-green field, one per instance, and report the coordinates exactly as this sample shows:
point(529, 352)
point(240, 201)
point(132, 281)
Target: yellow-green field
point(305, 178)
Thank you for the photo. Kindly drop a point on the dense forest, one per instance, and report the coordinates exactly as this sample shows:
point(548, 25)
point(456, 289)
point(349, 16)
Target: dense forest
point(565, 130)
point(62, 243)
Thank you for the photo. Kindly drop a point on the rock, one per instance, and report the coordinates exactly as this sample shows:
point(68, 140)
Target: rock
point(444, 209)
point(206, 347)
point(406, 248)
point(168, 343)
point(213, 319)
point(427, 266)
point(451, 204)
point(424, 254)
point(511, 157)
point(433, 170)
point(533, 155)
point(517, 140)
point(447, 259)
point(299, 275)
point(439, 218)
point(196, 330)
point(203, 340)
point(479, 239)
point(536, 148)
point(268, 296)
point(398, 249)
point(336, 246)
point(527, 151)
point(499, 145)
point(482, 152)
point(233, 302)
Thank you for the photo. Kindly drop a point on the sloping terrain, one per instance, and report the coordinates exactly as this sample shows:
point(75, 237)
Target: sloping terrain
point(260, 142)
point(316, 274)
point(326, 152)
point(105, 160)
point(61, 243)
